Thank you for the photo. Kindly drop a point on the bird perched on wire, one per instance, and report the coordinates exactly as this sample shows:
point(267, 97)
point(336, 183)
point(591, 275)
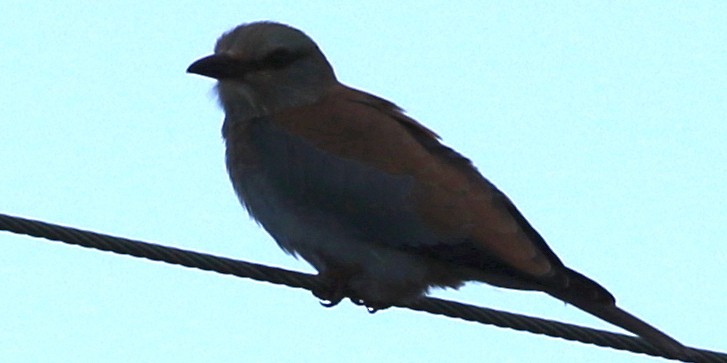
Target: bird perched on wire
point(368, 196)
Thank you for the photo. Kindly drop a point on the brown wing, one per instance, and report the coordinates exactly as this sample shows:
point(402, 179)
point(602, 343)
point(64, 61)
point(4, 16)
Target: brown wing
point(448, 195)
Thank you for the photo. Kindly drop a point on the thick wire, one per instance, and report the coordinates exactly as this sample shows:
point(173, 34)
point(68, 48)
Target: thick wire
point(295, 279)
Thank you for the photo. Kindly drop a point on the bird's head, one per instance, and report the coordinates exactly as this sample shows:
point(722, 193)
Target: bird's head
point(266, 67)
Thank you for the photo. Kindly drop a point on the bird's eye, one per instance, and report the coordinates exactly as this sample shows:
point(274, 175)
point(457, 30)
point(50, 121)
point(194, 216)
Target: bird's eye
point(279, 58)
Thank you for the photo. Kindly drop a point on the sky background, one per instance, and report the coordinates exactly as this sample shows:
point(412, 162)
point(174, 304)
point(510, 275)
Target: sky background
point(605, 122)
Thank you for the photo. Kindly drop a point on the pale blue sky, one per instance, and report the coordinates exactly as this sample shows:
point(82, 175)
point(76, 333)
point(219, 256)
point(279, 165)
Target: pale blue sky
point(606, 124)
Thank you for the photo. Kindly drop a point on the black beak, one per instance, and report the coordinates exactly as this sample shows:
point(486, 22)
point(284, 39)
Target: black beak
point(218, 66)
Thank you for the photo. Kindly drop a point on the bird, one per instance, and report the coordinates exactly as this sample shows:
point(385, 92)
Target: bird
point(370, 197)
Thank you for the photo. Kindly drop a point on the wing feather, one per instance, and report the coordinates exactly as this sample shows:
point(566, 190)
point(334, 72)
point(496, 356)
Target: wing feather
point(362, 158)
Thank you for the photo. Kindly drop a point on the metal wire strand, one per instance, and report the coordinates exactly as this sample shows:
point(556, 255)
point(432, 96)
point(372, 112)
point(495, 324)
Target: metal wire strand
point(295, 279)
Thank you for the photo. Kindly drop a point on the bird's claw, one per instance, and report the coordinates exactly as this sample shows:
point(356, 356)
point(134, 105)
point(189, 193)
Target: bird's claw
point(326, 303)
point(328, 298)
point(331, 293)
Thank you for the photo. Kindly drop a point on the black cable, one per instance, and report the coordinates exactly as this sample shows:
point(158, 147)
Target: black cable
point(309, 282)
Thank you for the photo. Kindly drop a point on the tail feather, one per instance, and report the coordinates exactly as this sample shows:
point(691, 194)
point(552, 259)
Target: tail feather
point(590, 297)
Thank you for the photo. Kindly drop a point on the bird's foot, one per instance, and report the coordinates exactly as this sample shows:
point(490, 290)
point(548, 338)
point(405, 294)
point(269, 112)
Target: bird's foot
point(333, 289)
point(328, 297)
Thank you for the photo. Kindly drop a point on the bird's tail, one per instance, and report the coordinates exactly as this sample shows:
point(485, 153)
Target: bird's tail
point(590, 297)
